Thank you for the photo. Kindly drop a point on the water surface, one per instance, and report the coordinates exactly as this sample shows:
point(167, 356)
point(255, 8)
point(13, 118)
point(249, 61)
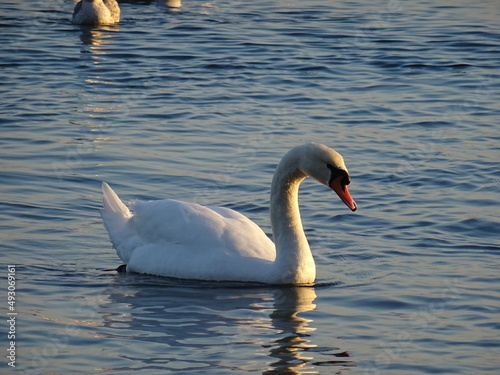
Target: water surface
point(199, 103)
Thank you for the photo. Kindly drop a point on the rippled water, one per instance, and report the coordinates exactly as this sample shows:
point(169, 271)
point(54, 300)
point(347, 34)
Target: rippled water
point(199, 103)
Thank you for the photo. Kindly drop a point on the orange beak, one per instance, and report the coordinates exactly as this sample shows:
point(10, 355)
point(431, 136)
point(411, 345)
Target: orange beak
point(343, 193)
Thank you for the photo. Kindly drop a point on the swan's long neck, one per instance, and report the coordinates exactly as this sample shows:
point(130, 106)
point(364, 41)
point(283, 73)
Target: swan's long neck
point(294, 262)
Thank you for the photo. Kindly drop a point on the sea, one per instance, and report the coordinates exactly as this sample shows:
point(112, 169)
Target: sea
point(198, 100)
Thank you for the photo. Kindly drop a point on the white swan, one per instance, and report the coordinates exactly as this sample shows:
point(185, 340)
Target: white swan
point(190, 241)
point(96, 12)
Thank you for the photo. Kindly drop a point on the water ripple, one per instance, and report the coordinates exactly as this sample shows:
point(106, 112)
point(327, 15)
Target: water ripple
point(199, 103)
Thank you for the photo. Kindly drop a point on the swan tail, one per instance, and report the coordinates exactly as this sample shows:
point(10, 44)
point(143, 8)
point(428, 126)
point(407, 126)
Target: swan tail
point(112, 203)
point(114, 214)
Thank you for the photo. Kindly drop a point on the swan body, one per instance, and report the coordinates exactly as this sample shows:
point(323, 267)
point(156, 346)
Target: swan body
point(190, 241)
point(96, 12)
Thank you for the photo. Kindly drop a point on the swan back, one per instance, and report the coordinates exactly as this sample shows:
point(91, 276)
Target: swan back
point(96, 12)
point(187, 240)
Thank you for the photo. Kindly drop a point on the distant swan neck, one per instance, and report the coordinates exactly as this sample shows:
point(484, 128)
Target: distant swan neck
point(294, 262)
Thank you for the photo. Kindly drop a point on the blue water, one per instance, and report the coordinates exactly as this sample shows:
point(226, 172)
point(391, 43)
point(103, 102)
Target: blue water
point(199, 103)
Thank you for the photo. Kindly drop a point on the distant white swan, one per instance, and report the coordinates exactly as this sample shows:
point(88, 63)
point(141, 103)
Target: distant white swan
point(190, 241)
point(96, 12)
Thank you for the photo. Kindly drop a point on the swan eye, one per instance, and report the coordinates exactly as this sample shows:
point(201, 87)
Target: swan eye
point(337, 172)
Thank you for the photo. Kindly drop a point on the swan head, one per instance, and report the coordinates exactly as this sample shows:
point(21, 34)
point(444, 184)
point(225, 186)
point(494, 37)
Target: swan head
point(327, 167)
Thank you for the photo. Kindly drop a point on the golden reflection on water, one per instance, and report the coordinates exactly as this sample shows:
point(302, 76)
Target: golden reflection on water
point(173, 3)
point(97, 42)
point(95, 38)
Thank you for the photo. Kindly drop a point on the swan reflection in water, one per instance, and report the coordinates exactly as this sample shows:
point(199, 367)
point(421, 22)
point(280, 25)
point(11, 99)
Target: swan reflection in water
point(188, 325)
point(295, 351)
point(291, 349)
